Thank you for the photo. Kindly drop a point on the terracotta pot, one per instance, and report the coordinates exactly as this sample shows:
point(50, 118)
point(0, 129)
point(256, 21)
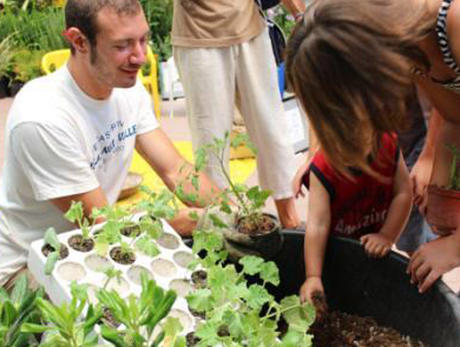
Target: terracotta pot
point(443, 209)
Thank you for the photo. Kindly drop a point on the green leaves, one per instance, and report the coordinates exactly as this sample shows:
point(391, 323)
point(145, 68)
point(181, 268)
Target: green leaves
point(298, 316)
point(75, 213)
point(147, 246)
point(52, 239)
point(51, 261)
point(257, 196)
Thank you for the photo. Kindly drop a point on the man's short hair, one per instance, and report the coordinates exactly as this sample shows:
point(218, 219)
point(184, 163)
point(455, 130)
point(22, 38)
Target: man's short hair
point(82, 14)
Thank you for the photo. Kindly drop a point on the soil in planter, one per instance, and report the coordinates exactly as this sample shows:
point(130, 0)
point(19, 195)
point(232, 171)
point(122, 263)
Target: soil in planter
point(79, 244)
point(196, 313)
point(191, 339)
point(47, 249)
point(258, 226)
point(342, 329)
point(200, 279)
point(131, 230)
point(122, 258)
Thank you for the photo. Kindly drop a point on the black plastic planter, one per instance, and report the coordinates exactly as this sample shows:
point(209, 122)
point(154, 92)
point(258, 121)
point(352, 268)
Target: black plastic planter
point(380, 288)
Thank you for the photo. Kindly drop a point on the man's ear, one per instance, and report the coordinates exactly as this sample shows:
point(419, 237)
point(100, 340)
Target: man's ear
point(77, 39)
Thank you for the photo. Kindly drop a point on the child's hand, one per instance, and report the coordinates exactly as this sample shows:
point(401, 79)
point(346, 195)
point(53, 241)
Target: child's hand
point(311, 286)
point(312, 291)
point(376, 245)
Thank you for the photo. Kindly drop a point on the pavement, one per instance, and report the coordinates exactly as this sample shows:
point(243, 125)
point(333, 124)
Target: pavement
point(174, 122)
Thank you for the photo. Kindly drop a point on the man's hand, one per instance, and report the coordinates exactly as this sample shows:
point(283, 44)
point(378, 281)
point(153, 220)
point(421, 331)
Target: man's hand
point(420, 177)
point(433, 259)
point(376, 245)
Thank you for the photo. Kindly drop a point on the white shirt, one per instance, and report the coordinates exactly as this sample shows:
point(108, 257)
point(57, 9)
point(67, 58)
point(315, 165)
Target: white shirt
point(61, 142)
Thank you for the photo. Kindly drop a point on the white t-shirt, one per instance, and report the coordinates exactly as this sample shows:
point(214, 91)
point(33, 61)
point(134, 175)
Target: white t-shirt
point(61, 142)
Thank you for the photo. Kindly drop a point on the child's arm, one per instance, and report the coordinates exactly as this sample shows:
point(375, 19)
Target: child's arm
point(316, 235)
point(379, 244)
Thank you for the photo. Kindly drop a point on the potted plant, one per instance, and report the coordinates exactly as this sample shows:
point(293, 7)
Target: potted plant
point(252, 231)
point(443, 208)
point(53, 250)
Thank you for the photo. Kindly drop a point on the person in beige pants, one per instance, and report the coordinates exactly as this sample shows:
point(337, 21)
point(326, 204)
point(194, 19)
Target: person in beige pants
point(224, 56)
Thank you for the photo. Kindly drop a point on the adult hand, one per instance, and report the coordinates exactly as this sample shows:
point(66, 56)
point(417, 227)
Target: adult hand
point(433, 259)
point(376, 245)
point(420, 176)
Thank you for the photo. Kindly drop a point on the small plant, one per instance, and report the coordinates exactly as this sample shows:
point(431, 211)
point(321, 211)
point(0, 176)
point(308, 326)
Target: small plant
point(454, 173)
point(16, 310)
point(112, 274)
point(239, 313)
point(140, 316)
point(68, 328)
point(75, 214)
point(53, 250)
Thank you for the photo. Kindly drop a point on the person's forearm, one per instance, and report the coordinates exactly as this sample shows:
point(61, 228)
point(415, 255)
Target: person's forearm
point(434, 124)
point(314, 249)
point(398, 214)
point(295, 7)
point(207, 190)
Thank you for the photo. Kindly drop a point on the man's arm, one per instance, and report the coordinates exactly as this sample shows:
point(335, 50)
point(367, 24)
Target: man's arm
point(92, 199)
point(157, 149)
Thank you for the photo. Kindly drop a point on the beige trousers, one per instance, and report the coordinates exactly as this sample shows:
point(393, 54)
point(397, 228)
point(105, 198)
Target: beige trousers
point(214, 79)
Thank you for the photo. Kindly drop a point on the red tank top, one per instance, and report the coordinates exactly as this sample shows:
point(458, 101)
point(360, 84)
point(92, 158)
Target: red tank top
point(358, 207)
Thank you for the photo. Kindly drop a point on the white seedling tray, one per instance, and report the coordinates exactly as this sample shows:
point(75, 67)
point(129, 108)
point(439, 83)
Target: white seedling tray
point(165, 268)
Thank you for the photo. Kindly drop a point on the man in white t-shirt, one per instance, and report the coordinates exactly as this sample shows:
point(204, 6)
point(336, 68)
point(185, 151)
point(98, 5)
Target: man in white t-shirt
point(71, 135)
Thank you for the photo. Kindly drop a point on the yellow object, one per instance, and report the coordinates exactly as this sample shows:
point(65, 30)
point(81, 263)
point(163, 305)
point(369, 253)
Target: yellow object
point(52, 61)
point(240, 170)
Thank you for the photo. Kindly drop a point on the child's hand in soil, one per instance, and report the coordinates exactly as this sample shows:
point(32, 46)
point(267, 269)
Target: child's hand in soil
point(376, 245)
point(312, 286)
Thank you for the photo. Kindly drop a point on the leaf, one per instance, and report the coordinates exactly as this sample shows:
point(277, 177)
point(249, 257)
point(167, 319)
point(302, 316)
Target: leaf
point(219, 223)
point(269, 273)
point(200, 300)
point(79, 291)
point(251, 264)
point(295, 339)
point(33, 328)
point(201, 158)
point(196, 182)
point(172, 326)
point(20, 289)
point(75, 212)
point(207, 332)
point(298, 316)
point(52, 239)
point(194, 215)
point(225, 207)
point(51, 261)
point(147, 246)
point(258, 296)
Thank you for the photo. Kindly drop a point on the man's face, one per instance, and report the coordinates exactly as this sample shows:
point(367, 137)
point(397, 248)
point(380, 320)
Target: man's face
point(120, 50)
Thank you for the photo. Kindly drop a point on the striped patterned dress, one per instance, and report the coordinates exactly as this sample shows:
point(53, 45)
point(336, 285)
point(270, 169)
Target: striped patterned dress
point(443, 42)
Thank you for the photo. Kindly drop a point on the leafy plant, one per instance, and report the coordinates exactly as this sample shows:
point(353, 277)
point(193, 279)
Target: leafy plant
point(17, 310)
point(26, 64)
point(238, 313)
point(76, 215)
point(52, 240)
point(140, 316)
point(250, 200)
point(69, 327)
point(112, 274)
point(454, 173)
point(6, 55)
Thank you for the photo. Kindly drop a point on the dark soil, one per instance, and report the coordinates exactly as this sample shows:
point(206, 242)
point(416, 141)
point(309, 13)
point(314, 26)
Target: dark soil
point(260, 225)
point(345, 330)
point(47, 249)
point(108, 318)
point(79, 244)
point(319, 301)
point(200, 279)
point(191, 339)
point(198, 314)
point(131, 230)
point(122, 258)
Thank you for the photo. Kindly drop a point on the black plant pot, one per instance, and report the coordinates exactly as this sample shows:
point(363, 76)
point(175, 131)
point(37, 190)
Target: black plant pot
point(380, 288)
